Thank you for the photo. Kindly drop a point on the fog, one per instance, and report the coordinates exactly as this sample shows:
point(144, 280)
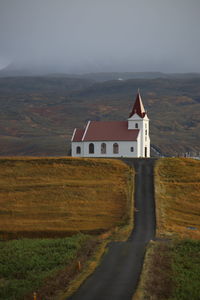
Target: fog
point(77, 36)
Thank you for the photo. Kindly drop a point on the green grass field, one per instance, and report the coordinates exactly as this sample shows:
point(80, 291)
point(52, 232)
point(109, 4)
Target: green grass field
point(27, 264)
point(171, 271)
point(186, 270)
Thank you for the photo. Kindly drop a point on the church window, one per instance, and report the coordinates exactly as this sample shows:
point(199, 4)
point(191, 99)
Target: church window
point(115, 148)
point(136, 125)
point(91, 148)
point(132, 149)
point(146, 132)
point(78, 150)
point(103, 148)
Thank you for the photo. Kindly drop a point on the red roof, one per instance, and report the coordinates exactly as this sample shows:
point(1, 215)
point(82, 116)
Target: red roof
point(78, 134)
point(106, 131)
point(138, 107)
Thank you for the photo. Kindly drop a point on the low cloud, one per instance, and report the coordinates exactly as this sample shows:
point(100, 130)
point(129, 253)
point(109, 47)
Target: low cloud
point(107, 35)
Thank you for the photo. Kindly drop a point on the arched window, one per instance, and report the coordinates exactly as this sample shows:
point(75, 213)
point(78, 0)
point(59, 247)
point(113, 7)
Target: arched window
point(115, 148)
point(132, 149)
point(136, 125)
point(91, 148)
point(103, 148)
point(78, 150)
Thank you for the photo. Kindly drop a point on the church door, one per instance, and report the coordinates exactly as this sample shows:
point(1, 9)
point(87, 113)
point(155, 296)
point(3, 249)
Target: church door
point(145, 151)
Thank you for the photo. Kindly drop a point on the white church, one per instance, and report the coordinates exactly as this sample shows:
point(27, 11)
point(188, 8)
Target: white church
point(128, 138)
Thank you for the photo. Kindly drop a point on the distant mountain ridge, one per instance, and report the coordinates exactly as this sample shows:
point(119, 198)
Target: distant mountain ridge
point(13, 71)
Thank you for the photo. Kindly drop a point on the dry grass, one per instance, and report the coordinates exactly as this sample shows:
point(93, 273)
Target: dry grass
point(177, 192)
point(177, 197)
point(89, 267)
point(156, 280)
point(56, 196)
point(171, 271)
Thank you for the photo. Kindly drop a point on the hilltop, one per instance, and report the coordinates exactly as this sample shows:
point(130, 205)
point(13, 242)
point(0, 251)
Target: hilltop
point(38, 114)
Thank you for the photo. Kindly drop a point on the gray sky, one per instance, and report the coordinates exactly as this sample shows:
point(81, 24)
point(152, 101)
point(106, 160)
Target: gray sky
point(101, 35)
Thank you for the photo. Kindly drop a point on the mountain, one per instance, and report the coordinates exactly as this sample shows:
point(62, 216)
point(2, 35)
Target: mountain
point(13, 70)
point(38, 114)
point(138, 75)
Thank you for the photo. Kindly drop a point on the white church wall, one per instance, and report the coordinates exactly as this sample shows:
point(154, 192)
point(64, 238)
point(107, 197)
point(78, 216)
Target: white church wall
point(136, 122)
point(145, 138)
point(139, 145)
point(74, 149)
point(124, 149)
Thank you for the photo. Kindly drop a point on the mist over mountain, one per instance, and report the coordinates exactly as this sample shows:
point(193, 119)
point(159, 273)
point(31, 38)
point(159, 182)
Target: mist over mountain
point(14, 71)
point(92, 36)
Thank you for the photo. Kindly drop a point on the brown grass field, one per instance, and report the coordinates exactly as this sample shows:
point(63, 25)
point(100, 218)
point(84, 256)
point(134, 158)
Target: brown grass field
point(178, 197)
point(171, 266)
point(42, 197)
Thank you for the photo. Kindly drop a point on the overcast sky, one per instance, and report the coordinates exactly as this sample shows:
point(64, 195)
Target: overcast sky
point(101, 35)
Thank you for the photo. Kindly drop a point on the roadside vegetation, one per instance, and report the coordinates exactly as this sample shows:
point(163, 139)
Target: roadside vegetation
point(48, 206)
point(171, 271)
point(27, 264)
point(172, 263)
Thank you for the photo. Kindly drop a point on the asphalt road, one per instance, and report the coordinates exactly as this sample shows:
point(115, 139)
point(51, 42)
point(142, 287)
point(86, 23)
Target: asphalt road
point(117, 276)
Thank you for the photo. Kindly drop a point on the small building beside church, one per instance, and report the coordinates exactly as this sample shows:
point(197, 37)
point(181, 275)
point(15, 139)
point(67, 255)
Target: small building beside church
point(129, 138)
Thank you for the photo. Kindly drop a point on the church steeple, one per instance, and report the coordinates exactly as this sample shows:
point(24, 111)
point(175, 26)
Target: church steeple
point(138, 107)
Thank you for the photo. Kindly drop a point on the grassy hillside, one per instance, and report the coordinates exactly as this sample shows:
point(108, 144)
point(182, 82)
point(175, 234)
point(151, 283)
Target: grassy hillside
point(171, 271)
point(55, 197)
point(28, 264)
point(42, 197)
point(177, 197)
point(172, 263)
point(38, 114)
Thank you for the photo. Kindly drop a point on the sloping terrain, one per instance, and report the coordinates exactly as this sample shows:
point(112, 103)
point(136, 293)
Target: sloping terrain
point(57, 197)
point(54, 197)
point(177, 194)
point(38, 114)
point(172, 263)
point(29, 264)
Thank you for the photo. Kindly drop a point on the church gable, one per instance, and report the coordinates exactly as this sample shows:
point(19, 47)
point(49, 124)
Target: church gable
point(77, 135)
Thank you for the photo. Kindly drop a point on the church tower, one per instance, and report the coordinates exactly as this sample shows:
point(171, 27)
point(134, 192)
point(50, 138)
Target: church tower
point(138, 120)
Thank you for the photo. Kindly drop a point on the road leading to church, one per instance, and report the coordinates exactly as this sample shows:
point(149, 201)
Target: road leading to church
point(117, 276)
